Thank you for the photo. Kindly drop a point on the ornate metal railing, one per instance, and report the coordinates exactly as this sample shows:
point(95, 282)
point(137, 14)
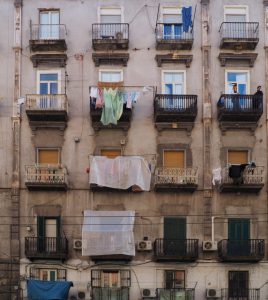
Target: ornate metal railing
point(46, 174)
point(250, 175)
point(110, 31)
point(240, 103)
point(240, 294)
point(36, 247)
point(251, 249)
point(46, 102)
point(176, 103)
point(173, 294)
point(239, 30)
point(48, 32)
point(182, 249)
point(165, 175)
point(172, 32)
point(100, 293)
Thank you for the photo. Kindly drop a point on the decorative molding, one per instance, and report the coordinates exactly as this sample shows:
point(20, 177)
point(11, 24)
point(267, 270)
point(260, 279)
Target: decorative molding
point(53, 60)
point(173, 59)
point(110, 59)
point(248, 58)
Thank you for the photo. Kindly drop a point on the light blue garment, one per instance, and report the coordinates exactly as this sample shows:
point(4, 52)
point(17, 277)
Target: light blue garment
point(186, 18)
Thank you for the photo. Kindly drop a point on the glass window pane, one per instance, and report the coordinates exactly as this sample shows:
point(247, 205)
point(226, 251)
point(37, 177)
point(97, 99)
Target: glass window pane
point(43, 88)
point(178, 89)
point(241, 77)
point(48, 77)
point(55, 17)
point(168, 89)
point(54, 88)
point(242, 89)
point(230, 88)
point(231, 77)
point(168, 77)
point(177, 77)
point(44, 18)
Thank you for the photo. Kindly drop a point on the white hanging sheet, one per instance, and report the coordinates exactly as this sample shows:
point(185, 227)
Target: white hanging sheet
point(121, 172)
point(108, 233)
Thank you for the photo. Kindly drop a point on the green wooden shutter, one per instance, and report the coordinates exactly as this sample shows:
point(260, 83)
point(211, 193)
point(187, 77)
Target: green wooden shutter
point(41, 226)
point(238, 229)
point(174, 228)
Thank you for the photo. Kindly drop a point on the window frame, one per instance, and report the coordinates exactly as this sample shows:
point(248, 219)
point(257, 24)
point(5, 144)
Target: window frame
point(174, 279)
point(48, 10)
point(111, 71)
point(225, 7)
point(100, 8)
point(237, 71)
point(48, 148)
point(50, 71)
point(35, 272)
point(163, 72)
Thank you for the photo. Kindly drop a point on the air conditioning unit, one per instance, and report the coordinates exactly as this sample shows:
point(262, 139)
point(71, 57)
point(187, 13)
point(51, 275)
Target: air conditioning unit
point(144, 246)
point(148, 293)
point(213, 293)
point(77, 244)
point(209, 246)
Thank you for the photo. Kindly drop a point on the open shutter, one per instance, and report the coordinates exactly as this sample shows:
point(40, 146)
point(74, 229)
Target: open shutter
point(96, 278)
point(125, 278)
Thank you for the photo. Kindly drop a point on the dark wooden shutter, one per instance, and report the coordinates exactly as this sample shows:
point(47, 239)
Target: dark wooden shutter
point(174, 228)
point(238, 229)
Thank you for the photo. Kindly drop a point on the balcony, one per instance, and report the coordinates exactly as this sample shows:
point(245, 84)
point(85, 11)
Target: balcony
point(46, 248)
point(174, 294)
point(241, 250)
point(177, 39)
point(101, 293)
point(176, 250)
point(239, 111)
point(46, 177)
point(240, 294)
point(123, 123)
point(250, 181)
point(176, 179)
point(239, 35)
point(47, 111)
point(48, 37)
point(110, 36)
point(175, 111)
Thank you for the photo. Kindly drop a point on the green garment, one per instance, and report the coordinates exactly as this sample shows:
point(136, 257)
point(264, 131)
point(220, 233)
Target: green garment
point(113, 107)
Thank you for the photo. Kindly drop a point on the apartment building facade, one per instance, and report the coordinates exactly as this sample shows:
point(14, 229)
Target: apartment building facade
point(161, 196)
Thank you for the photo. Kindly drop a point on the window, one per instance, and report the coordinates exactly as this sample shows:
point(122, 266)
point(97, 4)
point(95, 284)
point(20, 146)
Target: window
point(48, 82)
point(110, 153)
point(174, 279)
point(48, 156)
point(50, 274)
point(239, 78)
point(49, 24)
point(174, 159)
point(237, 157)
point(236, 13)
point(110, 278)
point(110, 15)
point(111, 76)
point(238, 284)
point(172, 20)
point(173, 83)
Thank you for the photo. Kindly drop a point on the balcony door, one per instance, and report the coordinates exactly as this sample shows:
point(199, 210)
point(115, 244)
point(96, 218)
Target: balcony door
point(172, 19)
point(238, 286)
point(49, 25)
point(238, 237)
point(237, 16)
point(48, 86)
point(48, 230)
point(111, 19)
point(175, 243)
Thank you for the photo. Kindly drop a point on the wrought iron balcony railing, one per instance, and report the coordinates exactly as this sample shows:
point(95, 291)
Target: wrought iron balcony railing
point(176, 250)
point(46, 247)
point(46, 175)
point(100, 293)
point(250, 176)
point(240, 294)
point(176, 103)
point(172, 32)
point(48, 32)
point(173, 294)
point(46, 102)
point(241, 250)
point(176, 176)
point(110, 31)
point(240, 30)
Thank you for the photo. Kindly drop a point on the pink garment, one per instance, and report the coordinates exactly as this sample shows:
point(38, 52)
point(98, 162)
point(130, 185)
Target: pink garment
point(100, 102)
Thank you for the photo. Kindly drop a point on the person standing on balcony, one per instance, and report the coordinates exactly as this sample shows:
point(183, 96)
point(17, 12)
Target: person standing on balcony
point(235, 99)
point(257, 98)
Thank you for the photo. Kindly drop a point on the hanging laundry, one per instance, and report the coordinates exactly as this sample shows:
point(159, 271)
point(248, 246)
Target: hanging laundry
point(93, 92)
point(99, 101)
point(216, 173)
point(186, 18)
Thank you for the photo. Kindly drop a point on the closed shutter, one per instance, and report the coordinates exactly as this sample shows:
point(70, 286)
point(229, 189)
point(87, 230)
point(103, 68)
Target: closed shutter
point(174, 228)
point(48, 156)
point(238, 229)
point(173, 159)
point(111, 153)
point(237, 157)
